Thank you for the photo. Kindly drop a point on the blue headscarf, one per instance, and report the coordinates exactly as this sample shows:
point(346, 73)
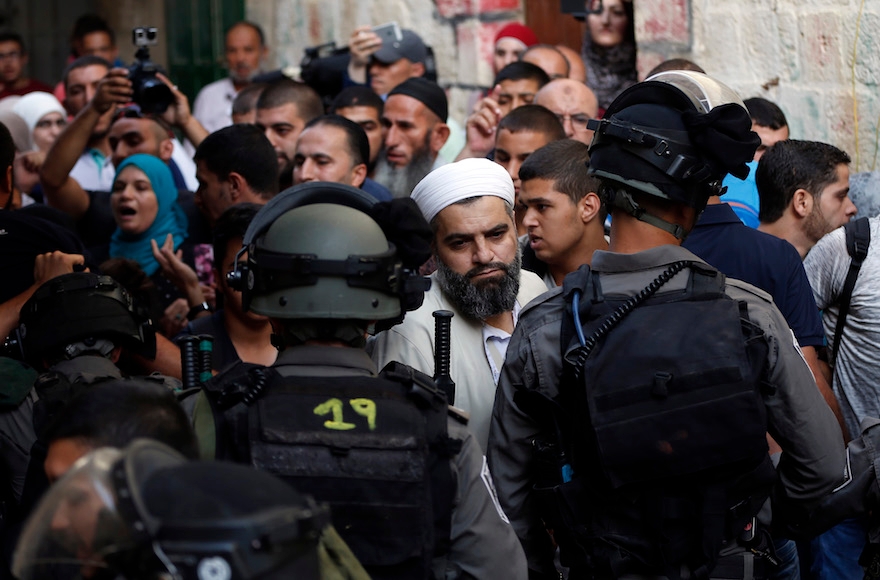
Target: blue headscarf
point(170, 218)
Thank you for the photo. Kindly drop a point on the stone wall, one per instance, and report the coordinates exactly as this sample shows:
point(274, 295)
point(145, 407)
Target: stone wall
point(798, 53)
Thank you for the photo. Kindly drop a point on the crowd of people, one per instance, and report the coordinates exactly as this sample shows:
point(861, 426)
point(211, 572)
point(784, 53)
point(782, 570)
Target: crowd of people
point(604, 329)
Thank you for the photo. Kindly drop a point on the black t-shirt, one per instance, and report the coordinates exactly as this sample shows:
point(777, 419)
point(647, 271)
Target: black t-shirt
point(26, 233)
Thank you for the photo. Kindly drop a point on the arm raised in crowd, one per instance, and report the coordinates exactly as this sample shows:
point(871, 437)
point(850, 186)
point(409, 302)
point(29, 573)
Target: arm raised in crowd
point(180, 115)
point(62, 191)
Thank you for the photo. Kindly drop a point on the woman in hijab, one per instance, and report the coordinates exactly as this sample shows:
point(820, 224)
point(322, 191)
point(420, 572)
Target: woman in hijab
point(45, 119)
point(609, 50)
point(145, 208)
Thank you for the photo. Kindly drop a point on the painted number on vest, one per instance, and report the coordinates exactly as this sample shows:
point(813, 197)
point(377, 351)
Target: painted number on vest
point(363, 407)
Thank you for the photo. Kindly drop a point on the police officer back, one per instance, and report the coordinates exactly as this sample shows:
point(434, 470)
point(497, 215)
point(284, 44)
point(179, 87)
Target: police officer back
point(407, 485)
point(633, 402)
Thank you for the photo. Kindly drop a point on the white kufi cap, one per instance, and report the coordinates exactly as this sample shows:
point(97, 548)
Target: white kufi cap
point(463, 179)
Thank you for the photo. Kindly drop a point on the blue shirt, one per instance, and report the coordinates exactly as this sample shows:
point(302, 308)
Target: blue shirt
point(762, 260)
point(742, 195)
point(377, 190)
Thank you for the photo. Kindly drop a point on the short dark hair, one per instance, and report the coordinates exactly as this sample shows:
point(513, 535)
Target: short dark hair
point(232, 224)
point(83, 62)
point(675, 64)
point(89, 24)
point(244, 149)
point(10, 36)
point(253, 26)
point(358, 96)
point(287, 91)
point(518, 70)
point(766, 113)
point(791, 165)
point(245, 100)
point(355, 137)
point(564, 162)
point(533, 118)
point(115, 413)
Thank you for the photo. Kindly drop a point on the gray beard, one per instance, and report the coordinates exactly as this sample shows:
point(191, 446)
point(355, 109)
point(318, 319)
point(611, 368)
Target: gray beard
point(479, 301)
point(400, 181)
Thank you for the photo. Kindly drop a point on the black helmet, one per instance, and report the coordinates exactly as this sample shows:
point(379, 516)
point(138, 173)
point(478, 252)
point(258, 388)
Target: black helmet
point(82, 307)
point(675, 137)
point(324, 250)
point(146, 513)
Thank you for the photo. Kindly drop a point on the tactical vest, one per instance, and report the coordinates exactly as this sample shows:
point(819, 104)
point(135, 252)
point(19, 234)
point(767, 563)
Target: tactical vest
point(661, 447)
point(376, 449)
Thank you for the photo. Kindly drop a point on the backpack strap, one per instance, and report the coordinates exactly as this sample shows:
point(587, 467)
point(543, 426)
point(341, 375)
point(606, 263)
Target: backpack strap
point(858, 239)
point(431, 400)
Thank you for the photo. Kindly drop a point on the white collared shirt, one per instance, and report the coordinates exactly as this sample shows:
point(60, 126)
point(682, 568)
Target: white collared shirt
point(495, 342)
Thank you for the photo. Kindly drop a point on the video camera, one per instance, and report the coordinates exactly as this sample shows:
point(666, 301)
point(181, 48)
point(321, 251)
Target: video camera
point(151, 94)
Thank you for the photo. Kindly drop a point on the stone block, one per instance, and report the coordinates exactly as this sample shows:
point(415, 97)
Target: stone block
point(822, 49)
point(475, 43)
point(666, 21)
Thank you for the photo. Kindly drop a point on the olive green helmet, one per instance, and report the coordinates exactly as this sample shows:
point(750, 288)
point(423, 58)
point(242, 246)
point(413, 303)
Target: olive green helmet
point(315, 253)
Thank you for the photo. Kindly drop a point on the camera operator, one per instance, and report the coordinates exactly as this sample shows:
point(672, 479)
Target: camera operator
point(130, 132)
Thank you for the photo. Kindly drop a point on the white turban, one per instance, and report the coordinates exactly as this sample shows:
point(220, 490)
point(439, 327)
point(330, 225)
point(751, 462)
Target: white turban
point(454, 182)
point(34, 106)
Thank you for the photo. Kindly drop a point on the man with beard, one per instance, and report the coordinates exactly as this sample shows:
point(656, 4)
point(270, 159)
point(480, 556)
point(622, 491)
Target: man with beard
point(469, 205)
point(283, 110)
point(804, 192)
point(245, 48)
point(414, 120)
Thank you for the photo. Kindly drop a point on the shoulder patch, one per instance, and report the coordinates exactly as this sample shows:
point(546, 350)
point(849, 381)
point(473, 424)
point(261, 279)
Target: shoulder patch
point(459, 415)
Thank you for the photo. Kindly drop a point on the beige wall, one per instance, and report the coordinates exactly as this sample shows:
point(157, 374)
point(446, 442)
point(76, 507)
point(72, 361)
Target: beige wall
point(798, 53)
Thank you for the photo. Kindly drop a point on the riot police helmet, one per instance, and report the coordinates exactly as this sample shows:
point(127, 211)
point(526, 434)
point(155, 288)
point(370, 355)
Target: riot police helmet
point(675, 137)
point(72, 313)
point(145, 513)
point(321, 250)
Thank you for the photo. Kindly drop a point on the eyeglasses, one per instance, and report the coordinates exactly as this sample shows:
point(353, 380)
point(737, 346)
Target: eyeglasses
point(578, 120)
point(11, 55)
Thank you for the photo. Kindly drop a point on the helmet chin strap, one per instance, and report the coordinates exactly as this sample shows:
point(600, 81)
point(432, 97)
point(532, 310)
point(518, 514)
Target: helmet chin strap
point(623, 200)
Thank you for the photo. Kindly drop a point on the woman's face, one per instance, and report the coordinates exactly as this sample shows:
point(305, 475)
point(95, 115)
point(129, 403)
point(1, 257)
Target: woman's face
point(608, 28)
point(47, 130)
point(133, 201)
point(507, 50)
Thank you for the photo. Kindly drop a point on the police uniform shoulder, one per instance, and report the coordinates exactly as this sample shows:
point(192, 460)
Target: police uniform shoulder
point(171, 383)
point(459, 415)
point(737, 289)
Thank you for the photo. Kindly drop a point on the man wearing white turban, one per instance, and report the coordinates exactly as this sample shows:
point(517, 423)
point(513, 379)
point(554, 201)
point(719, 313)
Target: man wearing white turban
point(469, 205)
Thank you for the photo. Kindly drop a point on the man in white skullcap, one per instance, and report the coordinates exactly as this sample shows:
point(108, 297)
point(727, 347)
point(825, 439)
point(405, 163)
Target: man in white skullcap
point(469, 205)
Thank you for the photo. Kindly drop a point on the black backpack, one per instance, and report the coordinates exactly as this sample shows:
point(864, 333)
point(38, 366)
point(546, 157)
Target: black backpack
point(662, 450)
point(376, 449)
point(858, 240)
